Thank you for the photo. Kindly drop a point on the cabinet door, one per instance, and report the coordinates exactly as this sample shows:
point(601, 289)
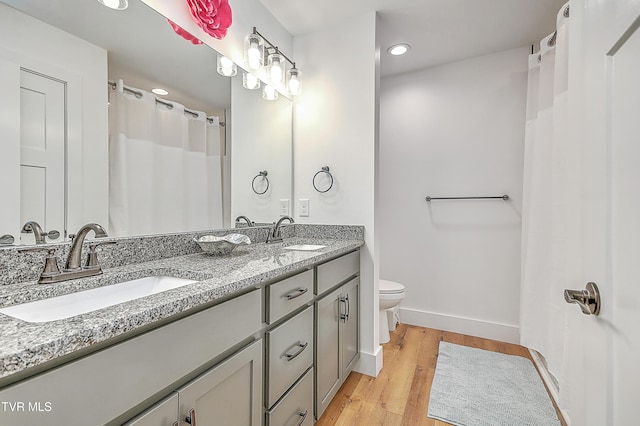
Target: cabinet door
point(229, 394)
point(327, 360)
point(164, 413)
point(350, 329)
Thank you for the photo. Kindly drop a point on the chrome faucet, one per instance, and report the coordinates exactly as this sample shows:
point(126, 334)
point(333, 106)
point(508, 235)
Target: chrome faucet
point(246, 219)
point(75, 253)
point(274, 235)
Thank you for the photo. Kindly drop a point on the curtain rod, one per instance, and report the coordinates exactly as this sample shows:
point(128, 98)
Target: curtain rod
point(169, 105)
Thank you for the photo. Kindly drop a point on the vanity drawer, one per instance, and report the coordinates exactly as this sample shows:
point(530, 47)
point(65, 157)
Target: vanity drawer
point(289, 294)
point(289, 353)
point(296, 408)
point(336, 271)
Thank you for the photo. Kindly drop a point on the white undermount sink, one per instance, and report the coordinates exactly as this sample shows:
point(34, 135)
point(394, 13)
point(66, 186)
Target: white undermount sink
point(73, 304)
point(305, 247)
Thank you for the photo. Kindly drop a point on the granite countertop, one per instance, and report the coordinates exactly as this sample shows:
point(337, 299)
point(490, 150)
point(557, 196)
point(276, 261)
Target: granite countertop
point(26, 345)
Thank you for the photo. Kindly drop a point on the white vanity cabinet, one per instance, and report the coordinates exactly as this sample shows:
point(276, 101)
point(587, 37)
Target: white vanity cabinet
point(337, 336)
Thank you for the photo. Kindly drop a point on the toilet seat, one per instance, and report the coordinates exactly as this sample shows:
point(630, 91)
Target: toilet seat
point(390, 287)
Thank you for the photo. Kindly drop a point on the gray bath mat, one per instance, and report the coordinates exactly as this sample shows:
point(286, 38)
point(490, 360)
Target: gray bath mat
point(474, 387)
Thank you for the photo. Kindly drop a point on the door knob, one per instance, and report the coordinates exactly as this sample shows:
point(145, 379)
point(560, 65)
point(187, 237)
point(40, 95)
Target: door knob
point(588, 299)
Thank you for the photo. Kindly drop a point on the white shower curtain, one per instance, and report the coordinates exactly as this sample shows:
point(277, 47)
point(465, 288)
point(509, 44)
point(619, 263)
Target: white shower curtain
point(164, 167)
point(550, 199)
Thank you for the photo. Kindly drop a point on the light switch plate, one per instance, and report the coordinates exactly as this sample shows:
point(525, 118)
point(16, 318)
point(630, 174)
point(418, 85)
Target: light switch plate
point(284, 207)
point(304, 207)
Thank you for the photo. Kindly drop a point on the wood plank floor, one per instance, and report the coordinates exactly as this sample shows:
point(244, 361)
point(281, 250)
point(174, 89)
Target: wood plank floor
point(400, 394)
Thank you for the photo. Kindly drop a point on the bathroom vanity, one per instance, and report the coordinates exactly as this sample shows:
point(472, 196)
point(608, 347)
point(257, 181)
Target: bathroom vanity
point(265, 336)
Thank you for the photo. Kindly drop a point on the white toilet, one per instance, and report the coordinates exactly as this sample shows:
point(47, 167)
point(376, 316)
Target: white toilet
point(391, 294)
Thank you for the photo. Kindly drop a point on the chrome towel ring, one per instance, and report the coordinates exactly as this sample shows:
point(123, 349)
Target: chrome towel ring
point(324, 169)
point(253, 182)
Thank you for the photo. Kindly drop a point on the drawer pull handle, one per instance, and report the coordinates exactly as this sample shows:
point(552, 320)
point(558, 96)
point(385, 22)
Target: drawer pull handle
point(191, 418)
point(299, 292)
point(294, 355)
point(348, 308)
point(303, 417)
point(344, 317)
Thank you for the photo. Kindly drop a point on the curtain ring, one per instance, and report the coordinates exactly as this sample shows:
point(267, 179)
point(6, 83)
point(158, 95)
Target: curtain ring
point(253, 182)
point(324, 169)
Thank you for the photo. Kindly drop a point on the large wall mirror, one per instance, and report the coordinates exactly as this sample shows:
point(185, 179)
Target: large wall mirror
point(85, 140)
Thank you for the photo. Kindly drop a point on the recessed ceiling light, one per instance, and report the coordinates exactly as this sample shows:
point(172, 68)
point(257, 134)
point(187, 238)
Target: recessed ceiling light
point(160, 92)
point(115, 4)
point(399, 49)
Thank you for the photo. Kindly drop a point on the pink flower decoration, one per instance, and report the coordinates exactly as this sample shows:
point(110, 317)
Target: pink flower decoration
point(185, 34)
point(213, 16)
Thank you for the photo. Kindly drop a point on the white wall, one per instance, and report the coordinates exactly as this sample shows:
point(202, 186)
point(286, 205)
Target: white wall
point(260, 140)
point(335, 125)
point(83, 66)
point(455, 130)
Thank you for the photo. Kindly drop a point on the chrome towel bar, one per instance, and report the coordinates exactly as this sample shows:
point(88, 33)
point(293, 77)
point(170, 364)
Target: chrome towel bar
point(501, 197)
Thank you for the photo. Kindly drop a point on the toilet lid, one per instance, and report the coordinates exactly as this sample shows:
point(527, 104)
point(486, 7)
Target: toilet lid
point(390, 287)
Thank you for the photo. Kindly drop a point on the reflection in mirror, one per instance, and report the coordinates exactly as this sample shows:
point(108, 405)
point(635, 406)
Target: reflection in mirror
point(261, 134)
point(85, 163)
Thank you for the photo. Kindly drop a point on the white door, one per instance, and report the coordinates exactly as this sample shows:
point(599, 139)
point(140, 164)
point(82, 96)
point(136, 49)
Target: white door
point(42, 143)
point(604, 350)
point(32, 151)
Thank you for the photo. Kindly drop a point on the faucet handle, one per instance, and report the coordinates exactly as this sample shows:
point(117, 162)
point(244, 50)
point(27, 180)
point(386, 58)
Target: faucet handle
point(7, 240)
point(53, 234)
point(92, 256)
point(51, 264)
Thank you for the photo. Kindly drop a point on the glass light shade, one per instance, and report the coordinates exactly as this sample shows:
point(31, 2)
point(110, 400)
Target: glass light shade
point(115, 4)
point(293, 82)
point(276, 68)
point(269, 93)
point(250, 81)
point(253, 51)
point(226, 67)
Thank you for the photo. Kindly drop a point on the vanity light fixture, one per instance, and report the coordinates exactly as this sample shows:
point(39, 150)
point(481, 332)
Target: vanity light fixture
point(274, 68)
point(276, 73)
point(293, 81)
point(399, 49)
point(226, 67)
point(115, 4)
point(269, 93)
point(250, 81)
point(253, 52)
point(159, 91)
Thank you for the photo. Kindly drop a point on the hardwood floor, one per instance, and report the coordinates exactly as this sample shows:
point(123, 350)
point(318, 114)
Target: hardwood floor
point(400, 394)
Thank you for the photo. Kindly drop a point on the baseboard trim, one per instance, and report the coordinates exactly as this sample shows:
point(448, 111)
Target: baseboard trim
point(370, 364)
point(472, 327)
point(549, 382)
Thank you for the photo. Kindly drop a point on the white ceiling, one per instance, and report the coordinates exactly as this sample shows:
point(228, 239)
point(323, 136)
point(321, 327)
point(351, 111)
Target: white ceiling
point(439, 31)
point(142, 49)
